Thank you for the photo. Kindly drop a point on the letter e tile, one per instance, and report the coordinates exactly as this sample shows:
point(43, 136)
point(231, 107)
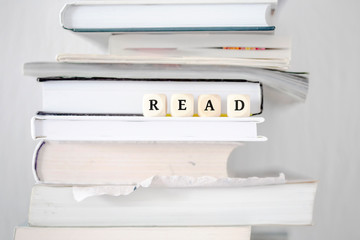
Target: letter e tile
point(182, 105)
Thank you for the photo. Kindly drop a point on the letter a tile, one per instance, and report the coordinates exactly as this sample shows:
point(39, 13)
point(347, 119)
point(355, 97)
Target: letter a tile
point(209, 105)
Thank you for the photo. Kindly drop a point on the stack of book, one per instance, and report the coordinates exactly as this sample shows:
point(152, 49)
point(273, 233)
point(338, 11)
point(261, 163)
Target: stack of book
point(134, 144)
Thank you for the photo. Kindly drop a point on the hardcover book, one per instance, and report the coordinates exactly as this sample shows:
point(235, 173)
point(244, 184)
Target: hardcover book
point(125, 96)
point(133, 128)
point(161, 16)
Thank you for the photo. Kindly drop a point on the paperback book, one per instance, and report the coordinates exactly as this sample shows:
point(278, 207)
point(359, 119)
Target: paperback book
point(127, 163)
point(274, 204)
point(294, 84)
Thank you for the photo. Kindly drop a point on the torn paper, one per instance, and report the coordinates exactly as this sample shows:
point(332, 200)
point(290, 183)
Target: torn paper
point(81, 193)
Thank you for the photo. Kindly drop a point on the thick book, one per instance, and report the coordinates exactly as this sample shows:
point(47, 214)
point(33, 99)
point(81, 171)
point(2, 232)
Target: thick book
point(277, 204)
point(133, 233)
point(268, 63)
point(125, 96)
point(161, 16)
point(133, 128)
point(294, 84)
point(128, 163)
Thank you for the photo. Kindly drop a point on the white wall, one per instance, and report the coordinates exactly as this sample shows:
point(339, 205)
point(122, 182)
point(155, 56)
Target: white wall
point(318, 139)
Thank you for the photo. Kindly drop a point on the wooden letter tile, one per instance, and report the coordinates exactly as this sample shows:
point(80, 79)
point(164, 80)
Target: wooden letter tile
point(154, 105)
point(238, 105)
point(182, 105)
point(209, 105)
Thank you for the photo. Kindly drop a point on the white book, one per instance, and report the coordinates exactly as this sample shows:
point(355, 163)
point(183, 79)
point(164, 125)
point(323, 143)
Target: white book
point(279, 204)
point(125, 96)
point(123, 128)
point(162, 16)
point(276, 64)
point(246, 49)
point(133, 233)
point(127, 163)
point(203, 44)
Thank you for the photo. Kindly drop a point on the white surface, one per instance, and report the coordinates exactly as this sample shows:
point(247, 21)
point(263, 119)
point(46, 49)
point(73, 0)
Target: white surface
point(311, 139)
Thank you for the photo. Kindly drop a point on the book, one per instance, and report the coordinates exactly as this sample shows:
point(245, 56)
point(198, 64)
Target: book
point(217, 45)
point(253, 50)
point(133, 233)
point(133, 128)
point(276, 204)
point(278, 64)
point(127, 163)
point(162, 16)
point(125, 96)
point(294, 84)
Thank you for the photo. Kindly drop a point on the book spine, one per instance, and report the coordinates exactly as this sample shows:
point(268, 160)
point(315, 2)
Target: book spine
point(62, 13)
point(177, 29)
point(32, 128)
point(34, 161)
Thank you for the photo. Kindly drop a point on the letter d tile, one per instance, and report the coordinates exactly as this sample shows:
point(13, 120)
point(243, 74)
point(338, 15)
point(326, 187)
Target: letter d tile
point(238, 105)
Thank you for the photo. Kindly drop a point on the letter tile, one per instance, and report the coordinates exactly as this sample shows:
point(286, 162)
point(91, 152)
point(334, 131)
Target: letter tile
point(154, 105)
point(209, 105)
point(182, 105)
point(238, 105)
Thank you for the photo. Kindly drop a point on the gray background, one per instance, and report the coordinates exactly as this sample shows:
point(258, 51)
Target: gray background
point(317, 139)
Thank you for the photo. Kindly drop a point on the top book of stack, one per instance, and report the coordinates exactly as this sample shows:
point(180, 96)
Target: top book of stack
point(164, 16)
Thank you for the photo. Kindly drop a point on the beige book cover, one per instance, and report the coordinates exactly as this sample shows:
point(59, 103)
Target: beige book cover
point(134, 233)
point(127, 162)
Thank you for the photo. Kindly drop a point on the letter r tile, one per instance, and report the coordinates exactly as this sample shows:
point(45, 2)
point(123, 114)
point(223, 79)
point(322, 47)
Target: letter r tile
point(154, 105)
